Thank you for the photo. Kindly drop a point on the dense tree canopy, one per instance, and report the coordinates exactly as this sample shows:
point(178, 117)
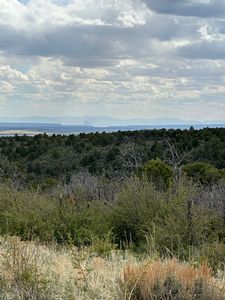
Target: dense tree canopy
point(114, 154)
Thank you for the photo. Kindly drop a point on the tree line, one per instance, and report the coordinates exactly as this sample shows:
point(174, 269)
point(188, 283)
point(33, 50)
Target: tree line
point(44, 158)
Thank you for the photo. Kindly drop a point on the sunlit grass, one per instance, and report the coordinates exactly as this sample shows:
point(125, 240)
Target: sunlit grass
point(29, 270)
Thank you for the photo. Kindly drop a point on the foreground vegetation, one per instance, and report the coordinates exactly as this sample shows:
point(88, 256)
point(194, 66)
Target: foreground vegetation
point(29, 270)
point(158, 224)
point(181, 219)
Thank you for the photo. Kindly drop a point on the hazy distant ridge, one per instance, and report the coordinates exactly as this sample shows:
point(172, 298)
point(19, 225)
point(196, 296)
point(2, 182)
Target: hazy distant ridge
point(105, 121)
point(55, 128)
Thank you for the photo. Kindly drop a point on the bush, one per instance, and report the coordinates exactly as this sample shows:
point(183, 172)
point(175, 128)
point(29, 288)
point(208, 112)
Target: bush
point(202, 172)
point(134, 211)
point(169, 220)
point(142, 217)
point(184, 223)
point(158, 172)
point(31, 215)
point(214, 254)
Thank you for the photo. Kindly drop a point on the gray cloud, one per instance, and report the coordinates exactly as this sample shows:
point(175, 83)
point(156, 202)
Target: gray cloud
point(204, 50)
point(114, 57)
point(95, 45)
point(195, 8)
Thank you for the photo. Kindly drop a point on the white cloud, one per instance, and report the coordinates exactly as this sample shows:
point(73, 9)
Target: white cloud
point(122, 58)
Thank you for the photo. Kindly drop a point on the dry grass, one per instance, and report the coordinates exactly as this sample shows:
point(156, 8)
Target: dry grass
point(171, 279)
point(29, 270)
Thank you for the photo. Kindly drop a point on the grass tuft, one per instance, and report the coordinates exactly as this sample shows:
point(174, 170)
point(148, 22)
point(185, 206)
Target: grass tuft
point(171, 279)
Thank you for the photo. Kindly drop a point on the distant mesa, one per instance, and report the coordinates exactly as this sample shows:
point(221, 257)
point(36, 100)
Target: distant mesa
point(104, 121)
point(87, 123)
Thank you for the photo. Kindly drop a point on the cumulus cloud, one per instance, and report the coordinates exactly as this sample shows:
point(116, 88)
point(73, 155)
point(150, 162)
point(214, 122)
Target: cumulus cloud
point(74, 31)
point(128, 58)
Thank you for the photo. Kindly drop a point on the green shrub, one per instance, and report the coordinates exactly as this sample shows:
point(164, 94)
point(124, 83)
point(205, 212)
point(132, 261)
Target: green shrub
point(31, 215)
point(135, 209)
point(170, 220)
point(202, 172)
point(214, 254)
point(158, 172)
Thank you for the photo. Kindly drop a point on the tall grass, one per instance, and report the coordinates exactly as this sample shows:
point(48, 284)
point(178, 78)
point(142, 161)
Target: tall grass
point(30, 270)
point(171, 279)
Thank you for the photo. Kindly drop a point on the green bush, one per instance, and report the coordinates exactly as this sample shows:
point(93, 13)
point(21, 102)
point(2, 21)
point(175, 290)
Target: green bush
point(214, 254)
point(135, 209)
point(202, 172)
point(169, 220)
point(142, 217)
point(31, 215)
point(158, 172)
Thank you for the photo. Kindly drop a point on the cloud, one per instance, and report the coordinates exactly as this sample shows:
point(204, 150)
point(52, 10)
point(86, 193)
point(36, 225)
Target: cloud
point(122, 58)
point(211, 44)
point(7, 73)
point(204, 50)
point(194, 8)
point(73, 31)
point(82, 38)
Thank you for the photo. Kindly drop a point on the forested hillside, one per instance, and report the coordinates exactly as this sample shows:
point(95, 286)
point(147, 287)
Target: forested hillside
point(111, 155)
point(148, 204)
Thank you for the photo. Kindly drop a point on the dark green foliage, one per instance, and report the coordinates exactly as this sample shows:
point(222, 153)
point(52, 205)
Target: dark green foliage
point(57, 156)
point(134, 211)
point(222, 173)
point(29, 214)
point(202, 172)
point(214, 253)
point(158, 172)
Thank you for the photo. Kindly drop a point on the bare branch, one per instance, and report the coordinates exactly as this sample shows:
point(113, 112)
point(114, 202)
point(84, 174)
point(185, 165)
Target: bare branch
point(176, 158)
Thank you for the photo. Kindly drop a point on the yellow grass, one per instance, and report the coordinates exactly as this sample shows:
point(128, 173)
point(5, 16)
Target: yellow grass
point(29, 270)
point(171, 279)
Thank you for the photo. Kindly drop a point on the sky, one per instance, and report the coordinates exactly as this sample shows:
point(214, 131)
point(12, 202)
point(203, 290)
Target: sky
point(118, 58)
